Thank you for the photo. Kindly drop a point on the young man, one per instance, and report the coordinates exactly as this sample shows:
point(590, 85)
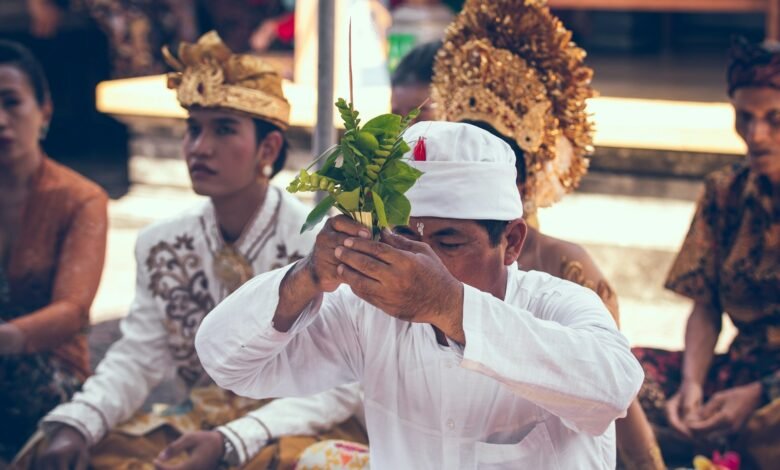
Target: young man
point(465, 361)
point(187, 265)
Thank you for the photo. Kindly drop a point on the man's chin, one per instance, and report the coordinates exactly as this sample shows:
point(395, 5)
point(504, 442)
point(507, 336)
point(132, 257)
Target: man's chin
point(204, 190)
point(766, 165)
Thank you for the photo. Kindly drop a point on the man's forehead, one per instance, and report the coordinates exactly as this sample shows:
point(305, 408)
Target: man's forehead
point(434, 225)
point(215, 114)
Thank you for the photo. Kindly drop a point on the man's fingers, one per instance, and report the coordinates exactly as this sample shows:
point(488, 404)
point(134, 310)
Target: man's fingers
point(673, 416)
point(717, 421)
point(380, 251)
point(362, 263)
point(711, 407)
point(176, 447)
point(349, 227)
point(82, 460)
point(359, 283)
point(403, 243)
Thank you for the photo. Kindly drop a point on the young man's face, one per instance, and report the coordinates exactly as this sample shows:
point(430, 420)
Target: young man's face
point(465, 248)
point(221, 151)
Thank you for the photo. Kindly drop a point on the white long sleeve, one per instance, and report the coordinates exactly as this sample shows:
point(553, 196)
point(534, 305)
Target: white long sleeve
point(567, 356)
point(131, 368)
point(241, 351)
point(304, 416)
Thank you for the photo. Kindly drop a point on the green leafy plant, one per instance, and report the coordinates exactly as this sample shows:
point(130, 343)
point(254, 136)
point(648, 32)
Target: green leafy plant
point(364, 174)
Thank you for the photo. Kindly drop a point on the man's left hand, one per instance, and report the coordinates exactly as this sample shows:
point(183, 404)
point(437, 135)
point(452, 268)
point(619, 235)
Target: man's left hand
point(726, 412)
point(202, 451)
point(405, 279)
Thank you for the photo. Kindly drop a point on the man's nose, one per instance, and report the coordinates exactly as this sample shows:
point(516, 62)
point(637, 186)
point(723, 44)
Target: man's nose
point(758, 133)
point(202, 145)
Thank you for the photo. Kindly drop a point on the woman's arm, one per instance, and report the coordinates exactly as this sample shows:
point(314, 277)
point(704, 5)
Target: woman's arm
point(76, 281)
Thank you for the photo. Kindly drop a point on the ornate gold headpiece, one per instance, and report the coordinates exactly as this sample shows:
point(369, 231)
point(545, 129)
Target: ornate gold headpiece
point(511, 64)
point(208, 74)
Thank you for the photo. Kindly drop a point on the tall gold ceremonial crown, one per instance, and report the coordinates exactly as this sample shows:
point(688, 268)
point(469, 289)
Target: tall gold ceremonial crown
point(512, 64)
point(210, 75)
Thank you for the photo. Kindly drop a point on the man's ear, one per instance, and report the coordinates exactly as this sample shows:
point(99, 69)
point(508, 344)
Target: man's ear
point(268, 149)
point(514, 237)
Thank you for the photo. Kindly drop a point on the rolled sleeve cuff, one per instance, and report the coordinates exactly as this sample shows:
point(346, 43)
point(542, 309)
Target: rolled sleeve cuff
point(84, 417)
point(248, 435)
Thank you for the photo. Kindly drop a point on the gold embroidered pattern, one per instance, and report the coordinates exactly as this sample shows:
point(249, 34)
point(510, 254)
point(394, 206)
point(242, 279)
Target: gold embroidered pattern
point(177, 278)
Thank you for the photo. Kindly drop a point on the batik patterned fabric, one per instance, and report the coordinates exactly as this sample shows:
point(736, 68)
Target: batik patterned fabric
point(730, 260)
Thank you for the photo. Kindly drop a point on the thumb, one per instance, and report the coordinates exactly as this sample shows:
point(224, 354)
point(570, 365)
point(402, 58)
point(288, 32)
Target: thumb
point(176, 447)
point(402, 243)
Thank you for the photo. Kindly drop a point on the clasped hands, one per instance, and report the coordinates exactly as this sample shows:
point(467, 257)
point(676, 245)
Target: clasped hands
point(725, 413)
point(402, 277)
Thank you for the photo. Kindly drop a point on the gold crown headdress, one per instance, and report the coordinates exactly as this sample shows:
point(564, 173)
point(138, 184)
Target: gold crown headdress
point(210, 75)
point(511, 64)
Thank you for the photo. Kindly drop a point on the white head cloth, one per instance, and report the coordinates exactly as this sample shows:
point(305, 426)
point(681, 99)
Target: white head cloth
point(469, 173)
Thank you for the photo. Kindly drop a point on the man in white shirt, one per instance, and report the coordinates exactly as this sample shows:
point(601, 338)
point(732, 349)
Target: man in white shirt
point(465, 361)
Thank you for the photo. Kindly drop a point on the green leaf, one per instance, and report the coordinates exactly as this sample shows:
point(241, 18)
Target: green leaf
point(330, 157)
point(318, 213)
point(350, 161)
point(349, 200)
point(397, 208)
point(383, 124)
point(399, 176)
point(379, 206)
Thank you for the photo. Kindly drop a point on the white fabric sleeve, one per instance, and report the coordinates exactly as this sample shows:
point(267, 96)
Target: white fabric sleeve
point(304, 416)
point(133, 365)
point(567, 356)
point(241, 351)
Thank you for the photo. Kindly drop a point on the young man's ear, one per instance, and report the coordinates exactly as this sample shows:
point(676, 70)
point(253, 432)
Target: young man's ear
point(514, 237)
point(268, 149)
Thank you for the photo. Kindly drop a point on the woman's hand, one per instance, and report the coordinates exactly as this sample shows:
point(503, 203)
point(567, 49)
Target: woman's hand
point(11, 340)
point(684, 406)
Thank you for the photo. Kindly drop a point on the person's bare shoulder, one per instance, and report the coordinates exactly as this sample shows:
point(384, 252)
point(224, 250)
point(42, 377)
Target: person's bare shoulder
point(570, 261)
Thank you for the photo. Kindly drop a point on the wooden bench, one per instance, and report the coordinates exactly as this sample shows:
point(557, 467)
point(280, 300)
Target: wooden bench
point(770, 8)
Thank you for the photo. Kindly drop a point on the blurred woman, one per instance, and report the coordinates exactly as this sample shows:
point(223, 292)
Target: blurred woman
point(53, 226)
point(700, 401)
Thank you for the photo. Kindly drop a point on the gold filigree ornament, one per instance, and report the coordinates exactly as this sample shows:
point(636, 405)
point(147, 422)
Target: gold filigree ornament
point(512, 64)
point(208, 74)
point(231, 268)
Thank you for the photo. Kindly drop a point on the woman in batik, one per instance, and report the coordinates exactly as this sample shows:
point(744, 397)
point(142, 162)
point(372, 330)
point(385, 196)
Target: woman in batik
point(53, 225)
point(700, 401)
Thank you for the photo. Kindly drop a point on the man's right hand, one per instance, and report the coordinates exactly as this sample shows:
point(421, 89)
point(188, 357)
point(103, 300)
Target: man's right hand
point(316, 273)
point(684, 406)
point(321, 263)
point(67, 449)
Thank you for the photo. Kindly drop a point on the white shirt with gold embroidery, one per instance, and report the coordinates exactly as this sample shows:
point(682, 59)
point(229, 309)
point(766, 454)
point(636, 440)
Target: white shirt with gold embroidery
point(175, 289)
